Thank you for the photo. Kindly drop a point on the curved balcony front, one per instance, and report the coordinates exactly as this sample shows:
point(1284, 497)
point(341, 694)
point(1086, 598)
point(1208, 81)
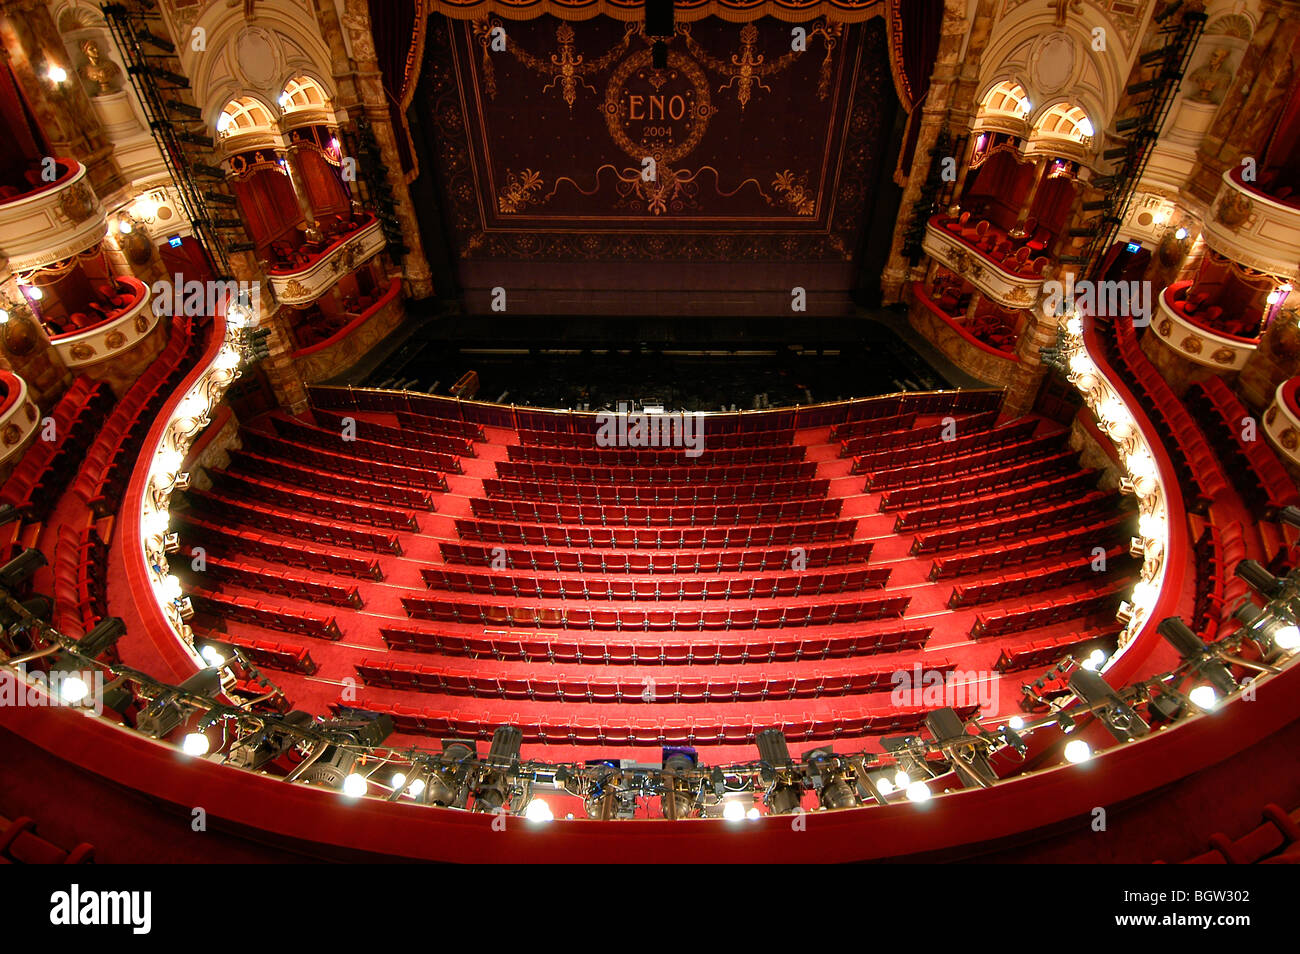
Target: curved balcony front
point(1007, 288)
point(308, 281)
point(117, 333)
point(1196, 342)
point(53, 222)
point(19, 417)
point(1253, 228)
point(1282, 423)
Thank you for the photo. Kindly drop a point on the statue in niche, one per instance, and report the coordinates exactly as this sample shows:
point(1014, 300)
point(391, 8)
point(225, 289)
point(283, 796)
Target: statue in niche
point(1211, 78)
point(100, 74)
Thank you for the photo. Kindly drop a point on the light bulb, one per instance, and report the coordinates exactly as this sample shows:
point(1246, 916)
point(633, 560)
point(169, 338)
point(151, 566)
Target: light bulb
point(34, 292)
point(1204, 697)
point(57, 74)
point(902, 779)
point(156, 523)
point(4, 316)
point(354, 786)
point(1181, 234)
point(171, 587)
point(415, 788)
point(1016, 723)
point(211, 654)
point(1074, 325)
point(918, 792)
point(885, 786)
point(1076, 751)
point(538, 811)
point(72, 689)
point(753, 814)
point(195, 744)
point(1287, 637)
point(124, 226)
point(398, 780)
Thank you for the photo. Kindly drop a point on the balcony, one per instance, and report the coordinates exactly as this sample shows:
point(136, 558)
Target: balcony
point(1282, 423)
point(19, 417)
point(1187, 335)
point(52, 222)
point(115, 333)
point(988, 259)
point(1254, 228)
point(308, 272)
point(324, 359)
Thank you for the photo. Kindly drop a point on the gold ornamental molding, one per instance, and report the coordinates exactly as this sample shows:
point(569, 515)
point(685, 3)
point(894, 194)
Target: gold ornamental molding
point(996, 284)
point(733, 11)
point(1253, 229)
point(1198, 344)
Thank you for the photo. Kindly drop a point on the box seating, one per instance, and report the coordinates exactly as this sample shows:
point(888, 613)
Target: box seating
point(873, 446)
point(982, 508)
point(577, 587)
point(1016, 619)
point(654, 457)
point(275, 549)
point(262, 652)
point(575, 617)
point(1041, 578)
point(601, 515)
point(306, 501)
point(1258, 475)
point(966, 442)
point(960, 487)
point(740, 474)
point(245, 462)
point(712, 442)
point(372, 451)
point(1092, 505)
point(46, 467)
point(284, 521)
point(1042, 653)
point(402, 436)
point(231, 606)
point(665, 561)
point(543, 535)
point(283, 581)
point(278, 448)
point(657, 495)
point(909, 475)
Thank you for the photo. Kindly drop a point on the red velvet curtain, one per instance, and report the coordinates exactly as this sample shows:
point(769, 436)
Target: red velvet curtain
point(396, 25)
point(1052, 204)
point(996, 188)
point(268, 206)
point(24, 140)
point(325, 190)
point(913, 44)
point(1281, 164)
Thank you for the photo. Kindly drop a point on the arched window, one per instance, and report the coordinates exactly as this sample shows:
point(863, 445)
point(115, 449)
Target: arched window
point(244, 115)
point(1008, 98)
point(303, 92)
point(1065, 121)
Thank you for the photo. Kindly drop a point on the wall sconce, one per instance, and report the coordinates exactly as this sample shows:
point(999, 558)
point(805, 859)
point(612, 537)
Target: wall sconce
point(56, 74)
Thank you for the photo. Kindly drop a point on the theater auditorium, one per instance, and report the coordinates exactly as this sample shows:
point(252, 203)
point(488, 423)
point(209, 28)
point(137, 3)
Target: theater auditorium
point(603, 431)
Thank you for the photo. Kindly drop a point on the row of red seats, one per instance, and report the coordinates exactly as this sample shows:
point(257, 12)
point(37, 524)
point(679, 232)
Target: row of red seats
point(733, 441)
point(655, 457)
point(1101, 532)
point(275, 549)
point(646, 538)
point(369, 450)
point(699, 650)
point(705, 730)
point(1059, 487)
point(336, 485)
point(661, 621)
point(244, 609)
point(318, 529)
point(1276, 840)
point(290, 497)
point(542, 686)
point(1042, 653)
point(786, 586)
point(20, 845)
point(1198, 470)
point(667, 561)
point(617, 515)
point(401, 436)
point(1218, 590)
point(924, 403)
point(845, 433)
point(662, 496)
point(1060, 573)
point(1019, 618)
point(40, 477)
point(1264, 483)
point(440, 425)
point(965, 484)
point(261, 652)
point(981, 441)
point(873, 446)
point(268, 445)
point(283, 581)
point(1091, 505)
point(743, 475)
point(972, 462)
point(102, 478)
point(80, 591)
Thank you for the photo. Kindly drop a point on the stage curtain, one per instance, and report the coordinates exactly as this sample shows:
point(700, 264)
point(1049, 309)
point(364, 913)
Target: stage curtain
point(1052, 204)
point(325, 190)
point(268, 206)
point(913, 27)
point(1282, 155)
point(25, 142)
point(398, 28)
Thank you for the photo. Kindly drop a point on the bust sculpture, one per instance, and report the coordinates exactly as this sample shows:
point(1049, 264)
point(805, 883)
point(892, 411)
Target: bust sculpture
point(100, 74)
point(1211, 79)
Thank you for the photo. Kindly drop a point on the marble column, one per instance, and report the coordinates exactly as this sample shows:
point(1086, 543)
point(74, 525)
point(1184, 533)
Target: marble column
point(1276, 360)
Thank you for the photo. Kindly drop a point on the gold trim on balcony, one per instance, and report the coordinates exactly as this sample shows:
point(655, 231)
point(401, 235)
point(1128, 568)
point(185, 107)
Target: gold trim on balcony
point(51, 224)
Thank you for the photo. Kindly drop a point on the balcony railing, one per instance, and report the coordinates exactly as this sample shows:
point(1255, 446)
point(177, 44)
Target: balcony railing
point(1010, 285)
point(307, 281)
point(53, 222)
point(113, 335)
point(1252, 227)
point(18, 416)
point(1282, 422)
point(1193, 340)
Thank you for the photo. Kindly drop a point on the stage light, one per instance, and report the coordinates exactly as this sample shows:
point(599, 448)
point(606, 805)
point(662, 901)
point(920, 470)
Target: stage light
point(1204, 697)
point(355, 785)
point(1076, 751)
point(165, 713)
point(1261, 581)
point(918, 792)
point(493, 788)
point(1197, 653)
point(195, 744)
point(831, 778)
point(1066, 723)
point(22, 566)
point(538, 811)
point(676, 799)
point(786, 791)
point(1117, 715)
point(102, 637)
point(1287, 638)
